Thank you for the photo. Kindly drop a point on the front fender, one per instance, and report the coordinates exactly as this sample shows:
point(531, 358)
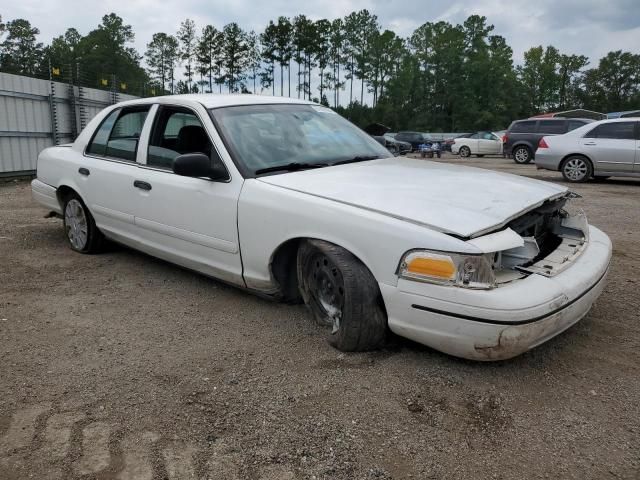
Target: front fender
point(269, 216)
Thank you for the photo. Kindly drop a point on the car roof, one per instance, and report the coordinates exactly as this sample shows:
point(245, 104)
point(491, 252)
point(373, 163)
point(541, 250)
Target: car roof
point(216, 100)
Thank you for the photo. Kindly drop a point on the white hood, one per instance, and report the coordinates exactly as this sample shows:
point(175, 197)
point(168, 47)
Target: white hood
point(464, 201)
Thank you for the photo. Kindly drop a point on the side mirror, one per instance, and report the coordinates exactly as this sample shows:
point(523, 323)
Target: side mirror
point(197, 165)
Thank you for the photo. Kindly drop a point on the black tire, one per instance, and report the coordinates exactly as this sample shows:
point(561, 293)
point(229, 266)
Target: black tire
point(577, 169)
point(465, 152)
point(342, 294)
point(522, 154)
point(94, 239)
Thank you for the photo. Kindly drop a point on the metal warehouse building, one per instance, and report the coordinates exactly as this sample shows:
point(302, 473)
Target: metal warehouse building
point(35, 114)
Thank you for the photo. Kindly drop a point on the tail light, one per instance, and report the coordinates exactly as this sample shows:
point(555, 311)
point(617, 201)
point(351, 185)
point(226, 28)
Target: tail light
point(505, 138)
point(542, 143)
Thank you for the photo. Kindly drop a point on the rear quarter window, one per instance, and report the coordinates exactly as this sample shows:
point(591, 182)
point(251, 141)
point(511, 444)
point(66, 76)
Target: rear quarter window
point(551, 126)
point(527, 126)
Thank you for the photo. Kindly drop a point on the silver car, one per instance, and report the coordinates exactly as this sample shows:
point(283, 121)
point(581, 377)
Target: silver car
point(597, 150)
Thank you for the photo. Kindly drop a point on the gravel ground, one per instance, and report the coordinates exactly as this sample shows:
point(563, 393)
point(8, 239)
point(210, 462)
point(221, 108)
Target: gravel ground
point(123, 366)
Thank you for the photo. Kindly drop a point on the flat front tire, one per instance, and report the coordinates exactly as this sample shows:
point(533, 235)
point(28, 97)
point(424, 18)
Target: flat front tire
point(342, 295)
point(81, 230)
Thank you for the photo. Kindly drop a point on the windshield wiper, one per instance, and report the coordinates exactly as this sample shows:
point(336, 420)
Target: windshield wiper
point(290, 167)
point(359, 158)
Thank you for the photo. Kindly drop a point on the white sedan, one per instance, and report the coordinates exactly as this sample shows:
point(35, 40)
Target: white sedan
point(479, 143)
point(287, 199)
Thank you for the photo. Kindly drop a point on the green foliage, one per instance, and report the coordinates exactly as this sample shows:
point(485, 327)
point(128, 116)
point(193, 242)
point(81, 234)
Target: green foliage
point(20, 53)
point(188, 41)
point(162, 57)
point(443, 77)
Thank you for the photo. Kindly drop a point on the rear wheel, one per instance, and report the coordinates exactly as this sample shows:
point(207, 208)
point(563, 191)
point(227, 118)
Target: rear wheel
point(576, 169)
point(522, 154)
point(82, 233)
point(342, 295)
point(465, 152)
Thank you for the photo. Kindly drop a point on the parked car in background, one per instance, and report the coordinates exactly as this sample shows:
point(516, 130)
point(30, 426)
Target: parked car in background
point(522, 136)
point(479, 143)
point(401, 147)
point(448, 142)
point(414, 138)
point(601, 149)
point(286, 198)
point(379, 133)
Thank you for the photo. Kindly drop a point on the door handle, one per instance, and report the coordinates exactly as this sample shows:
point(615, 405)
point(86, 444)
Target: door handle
point(591, 143)
point(142, 185)
point(84, 171)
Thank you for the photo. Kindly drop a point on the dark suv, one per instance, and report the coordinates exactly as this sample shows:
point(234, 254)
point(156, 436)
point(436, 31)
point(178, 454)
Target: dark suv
point(414, 138)
point(522, 137)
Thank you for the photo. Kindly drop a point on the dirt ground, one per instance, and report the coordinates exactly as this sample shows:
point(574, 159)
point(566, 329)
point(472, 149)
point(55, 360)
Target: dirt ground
point(121, 366)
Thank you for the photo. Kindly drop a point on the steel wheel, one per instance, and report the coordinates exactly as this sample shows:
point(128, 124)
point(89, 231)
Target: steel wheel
point(75, 221)
point(522, 155)
point(326, 288)
point(341, 294)
point(576, 169)
point(464, 152)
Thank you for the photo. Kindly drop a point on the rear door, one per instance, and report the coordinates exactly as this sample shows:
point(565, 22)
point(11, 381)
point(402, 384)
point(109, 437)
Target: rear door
point(612, 146)
point(489, 144)
point(109, 170)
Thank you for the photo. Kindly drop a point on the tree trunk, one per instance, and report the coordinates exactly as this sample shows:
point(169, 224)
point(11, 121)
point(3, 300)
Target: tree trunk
point(281, 79)
point(338, 89)
point(351, 89)
point(289, 76)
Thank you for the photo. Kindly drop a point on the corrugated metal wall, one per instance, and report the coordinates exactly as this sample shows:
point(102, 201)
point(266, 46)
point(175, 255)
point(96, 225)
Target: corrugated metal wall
point(35, 114)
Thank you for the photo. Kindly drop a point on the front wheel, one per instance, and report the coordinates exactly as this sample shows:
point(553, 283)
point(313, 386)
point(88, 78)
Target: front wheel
point(522, 154)
point(82, 233)
point(342, 295)
point(465, 152)
point(576, 169)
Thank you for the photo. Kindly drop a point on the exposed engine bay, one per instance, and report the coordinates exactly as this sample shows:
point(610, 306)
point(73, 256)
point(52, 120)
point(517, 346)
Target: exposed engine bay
point(544, 241)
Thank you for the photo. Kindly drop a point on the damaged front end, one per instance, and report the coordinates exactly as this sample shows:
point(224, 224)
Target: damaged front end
point(544, 241)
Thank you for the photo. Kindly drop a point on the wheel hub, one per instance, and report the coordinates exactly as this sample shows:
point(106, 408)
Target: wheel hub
point(76, 224)
point(575, 169)
point(327, 289)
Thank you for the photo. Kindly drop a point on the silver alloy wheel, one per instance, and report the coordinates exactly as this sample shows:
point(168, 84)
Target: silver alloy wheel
point(576, 169)
point(521, 155)
point(75, 222)
point(465, 152)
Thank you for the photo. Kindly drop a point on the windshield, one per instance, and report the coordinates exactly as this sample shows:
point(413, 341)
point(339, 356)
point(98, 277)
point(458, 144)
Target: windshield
point(263, 137)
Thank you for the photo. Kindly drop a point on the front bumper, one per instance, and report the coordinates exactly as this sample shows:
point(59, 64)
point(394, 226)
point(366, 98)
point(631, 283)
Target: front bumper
point(504, 322)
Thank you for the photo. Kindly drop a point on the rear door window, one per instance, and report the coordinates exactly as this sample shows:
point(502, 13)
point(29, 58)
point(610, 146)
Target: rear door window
point(615, 131)
point(528, 126)
point(551, 126)
point(119, 134)
point(98, 144)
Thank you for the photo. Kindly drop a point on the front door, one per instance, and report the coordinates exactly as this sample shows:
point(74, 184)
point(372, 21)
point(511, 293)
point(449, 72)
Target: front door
point(612, 146)
point(189, 221)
